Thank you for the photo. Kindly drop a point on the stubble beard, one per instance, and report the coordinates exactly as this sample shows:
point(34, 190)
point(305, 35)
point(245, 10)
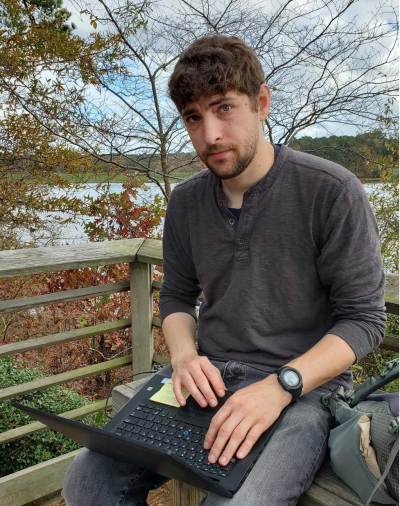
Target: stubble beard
point(241, 162)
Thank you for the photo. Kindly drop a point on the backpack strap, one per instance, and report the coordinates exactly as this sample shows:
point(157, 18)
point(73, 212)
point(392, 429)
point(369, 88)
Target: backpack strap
point(388, 374)
point(393, 453)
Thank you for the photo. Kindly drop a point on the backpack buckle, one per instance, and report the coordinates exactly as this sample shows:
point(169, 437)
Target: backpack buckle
point(388, 367)
point(394, 425)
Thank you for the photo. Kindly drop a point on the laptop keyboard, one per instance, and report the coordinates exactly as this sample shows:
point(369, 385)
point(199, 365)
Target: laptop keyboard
point(159, 427)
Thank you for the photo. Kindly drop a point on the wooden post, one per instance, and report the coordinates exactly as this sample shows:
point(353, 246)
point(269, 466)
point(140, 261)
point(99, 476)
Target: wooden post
point(185, 495)
point(141, 278)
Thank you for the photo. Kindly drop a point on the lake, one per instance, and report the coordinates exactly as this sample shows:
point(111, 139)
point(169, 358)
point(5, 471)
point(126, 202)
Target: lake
point(74, 233)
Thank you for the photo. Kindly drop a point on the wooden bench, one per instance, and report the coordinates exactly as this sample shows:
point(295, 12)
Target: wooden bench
point(327, 489)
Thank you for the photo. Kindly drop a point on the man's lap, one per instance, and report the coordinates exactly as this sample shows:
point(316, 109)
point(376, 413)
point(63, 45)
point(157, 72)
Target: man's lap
point(283, 472)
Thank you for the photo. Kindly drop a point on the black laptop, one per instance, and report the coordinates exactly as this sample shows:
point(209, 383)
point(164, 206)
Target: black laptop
point(161, 438)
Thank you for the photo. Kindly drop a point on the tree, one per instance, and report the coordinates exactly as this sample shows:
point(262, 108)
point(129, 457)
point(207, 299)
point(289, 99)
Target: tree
point(43, 68)
point(323, 65)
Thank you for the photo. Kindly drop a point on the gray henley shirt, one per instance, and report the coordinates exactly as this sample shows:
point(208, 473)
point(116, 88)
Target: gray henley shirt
point(302, 261)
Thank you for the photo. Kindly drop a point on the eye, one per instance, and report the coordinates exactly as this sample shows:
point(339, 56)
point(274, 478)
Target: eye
point(188, 118)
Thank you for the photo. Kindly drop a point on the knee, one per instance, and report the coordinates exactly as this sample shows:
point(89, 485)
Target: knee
point(79, 480)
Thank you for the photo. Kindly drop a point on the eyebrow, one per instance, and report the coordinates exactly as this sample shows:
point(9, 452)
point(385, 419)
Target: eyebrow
point(214, 102)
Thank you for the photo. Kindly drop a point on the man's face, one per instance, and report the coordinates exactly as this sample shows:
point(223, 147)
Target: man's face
point(217, 124)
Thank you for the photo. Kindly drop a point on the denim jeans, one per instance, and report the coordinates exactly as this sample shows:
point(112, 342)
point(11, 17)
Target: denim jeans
point(285, 469)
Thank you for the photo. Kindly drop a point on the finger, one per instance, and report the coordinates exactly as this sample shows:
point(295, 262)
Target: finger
point(223, 436)
point(189, 383)
point(251, 438)
point(203, 385)
point(177, 387)
point(214, 376)
point(238, 436)
point(215, 424)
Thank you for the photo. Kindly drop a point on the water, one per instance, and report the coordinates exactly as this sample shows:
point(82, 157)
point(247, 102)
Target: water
point(74, 233)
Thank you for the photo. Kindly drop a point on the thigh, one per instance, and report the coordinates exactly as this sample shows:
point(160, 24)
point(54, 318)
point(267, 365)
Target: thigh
point(290, 460)
point(94, 479)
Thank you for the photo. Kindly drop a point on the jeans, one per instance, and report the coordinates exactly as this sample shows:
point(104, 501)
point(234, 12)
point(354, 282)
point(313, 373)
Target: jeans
point(284, 470)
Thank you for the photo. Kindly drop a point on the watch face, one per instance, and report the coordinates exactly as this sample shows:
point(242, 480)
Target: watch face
point(291, 378)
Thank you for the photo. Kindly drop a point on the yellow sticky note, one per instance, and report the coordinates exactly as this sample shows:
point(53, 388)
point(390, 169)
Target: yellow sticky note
point(166, 395)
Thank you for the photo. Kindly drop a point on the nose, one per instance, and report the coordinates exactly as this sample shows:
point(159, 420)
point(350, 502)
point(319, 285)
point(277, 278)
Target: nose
point(212, 130)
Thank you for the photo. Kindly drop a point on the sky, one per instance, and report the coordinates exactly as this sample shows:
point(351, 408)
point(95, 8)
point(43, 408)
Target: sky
point(362, 10)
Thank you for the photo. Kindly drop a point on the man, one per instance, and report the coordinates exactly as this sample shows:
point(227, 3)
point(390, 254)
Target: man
point(285, 247)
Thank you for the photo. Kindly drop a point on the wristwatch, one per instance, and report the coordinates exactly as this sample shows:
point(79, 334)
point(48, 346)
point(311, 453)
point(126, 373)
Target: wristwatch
point(290, 380)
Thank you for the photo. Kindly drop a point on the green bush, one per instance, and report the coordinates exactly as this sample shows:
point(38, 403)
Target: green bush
point(45, 444)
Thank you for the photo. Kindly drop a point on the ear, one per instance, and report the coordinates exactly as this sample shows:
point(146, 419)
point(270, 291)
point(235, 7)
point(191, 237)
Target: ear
point(264, 102)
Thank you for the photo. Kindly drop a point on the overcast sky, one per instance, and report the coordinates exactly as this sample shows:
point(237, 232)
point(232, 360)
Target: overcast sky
point(361, 9)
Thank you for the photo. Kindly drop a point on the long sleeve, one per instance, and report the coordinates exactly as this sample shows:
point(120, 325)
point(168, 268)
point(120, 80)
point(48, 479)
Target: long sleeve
point(350, 265)
point(180, 289)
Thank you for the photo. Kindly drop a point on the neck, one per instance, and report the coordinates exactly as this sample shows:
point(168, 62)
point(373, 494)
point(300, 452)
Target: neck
point(262, 162)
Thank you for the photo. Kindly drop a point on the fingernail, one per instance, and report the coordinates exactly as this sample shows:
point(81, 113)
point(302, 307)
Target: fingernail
point(241, 455)
point(221, 392)
point(222, 460)
point(213, 403)
point(206, 445)
point(211, 457)
point(203, 403)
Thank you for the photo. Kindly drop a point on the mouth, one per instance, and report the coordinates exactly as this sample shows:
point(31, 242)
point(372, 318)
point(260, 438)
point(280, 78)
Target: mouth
point(221, 154)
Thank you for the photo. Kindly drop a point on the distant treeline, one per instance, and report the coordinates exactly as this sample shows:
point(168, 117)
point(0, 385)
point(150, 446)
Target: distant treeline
point(359, 154)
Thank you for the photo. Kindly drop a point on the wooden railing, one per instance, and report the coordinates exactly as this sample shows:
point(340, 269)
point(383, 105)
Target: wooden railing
point(142, 254)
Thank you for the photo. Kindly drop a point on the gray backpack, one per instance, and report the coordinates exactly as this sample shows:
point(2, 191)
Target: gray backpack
point(364, 444)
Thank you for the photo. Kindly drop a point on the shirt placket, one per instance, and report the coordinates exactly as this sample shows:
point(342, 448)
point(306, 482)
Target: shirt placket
point(240, 229)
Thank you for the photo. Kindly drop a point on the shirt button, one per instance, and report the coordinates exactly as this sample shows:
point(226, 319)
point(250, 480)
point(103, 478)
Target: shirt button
point(231, 221)
point(241, 241)
point(221, 204)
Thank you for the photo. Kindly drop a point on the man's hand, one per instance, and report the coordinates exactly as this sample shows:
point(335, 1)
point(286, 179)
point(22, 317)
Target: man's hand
point(244, 417)
point(195, 373)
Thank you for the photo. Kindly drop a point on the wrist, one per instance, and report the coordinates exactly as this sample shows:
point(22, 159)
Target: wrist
point(285, 396)
point(182, 356)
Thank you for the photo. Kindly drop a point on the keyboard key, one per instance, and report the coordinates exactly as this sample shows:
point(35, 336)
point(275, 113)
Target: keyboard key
point(182, 452)
point(156, 426)
point(152, 434)
point(148, 425)
point(141, 423)
point(151, 418)
point(159, 437)
point(175, 441)
point(171, 432)
point(139, 414)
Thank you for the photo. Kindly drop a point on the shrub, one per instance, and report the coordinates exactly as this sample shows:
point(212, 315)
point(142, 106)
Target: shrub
point(45, 444)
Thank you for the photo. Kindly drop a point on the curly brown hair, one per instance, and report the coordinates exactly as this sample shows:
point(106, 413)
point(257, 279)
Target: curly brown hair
point(215, 64)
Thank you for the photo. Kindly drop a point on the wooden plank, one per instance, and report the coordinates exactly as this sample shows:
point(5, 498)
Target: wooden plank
point(327, 480)
point(185, 495)
point(64, 337)
point(9, 306)
point(26, 261)
point(65, 377)
point(317, 496)
point(31, 428)
point(158, 359)
point(389, 343)
point(141, 276)
point(36, 481)
point(151, 252)
point(124, 393)
point(392, 293)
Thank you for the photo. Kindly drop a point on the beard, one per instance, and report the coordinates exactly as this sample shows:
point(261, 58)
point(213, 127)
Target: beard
point(240, 161)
